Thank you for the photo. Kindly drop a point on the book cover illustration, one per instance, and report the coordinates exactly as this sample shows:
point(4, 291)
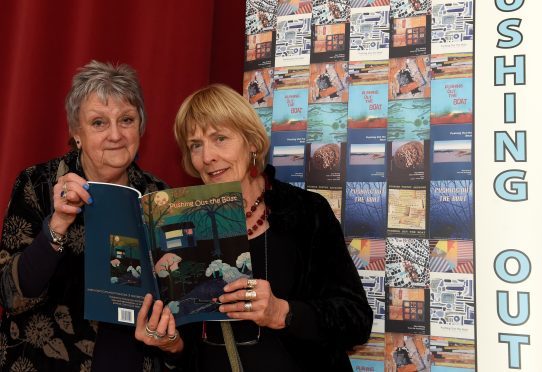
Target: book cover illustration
point(451, 101)
point(451, 210)
point(330, 43)
point(409, 119)
point(118, 271)
point(266, 117)
point(291, 77)
point(290, 110)
point(408, 162)
point(409, 8)
point(370, 33)
point(451, 152)
point(260, 16)
point(288, 155)
point(407, 310)
point(368, 254)
point(451, 66)
point(334, 197)
point(366, 155)
point(452, 30)
point(259, 50)
point(452, 305)
point(407, 263)
point(451, 256)
point(328, 82)
point(410, 78)
point(327, 123)
point(293, 40)
point(257, 88)
point(198, 241)
point(368, 106)
point(327, 12)
point(452, 354)
point(369, 356)
point(289, 7)
point(407, 352)
point(373, 284)
point(410, 36)
point(368, 72)
point(368, 3)
point(407, 211)
point(365, 209)
point(324, 165)
point(181, 245)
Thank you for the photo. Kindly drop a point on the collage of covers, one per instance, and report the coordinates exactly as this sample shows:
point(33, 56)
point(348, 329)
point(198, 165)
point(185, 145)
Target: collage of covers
point(369, 103)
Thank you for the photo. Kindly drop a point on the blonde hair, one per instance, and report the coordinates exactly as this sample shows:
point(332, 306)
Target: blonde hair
point(216, 106)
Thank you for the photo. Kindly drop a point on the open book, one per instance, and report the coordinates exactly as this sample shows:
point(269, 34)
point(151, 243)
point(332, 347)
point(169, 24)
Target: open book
point(182, 245)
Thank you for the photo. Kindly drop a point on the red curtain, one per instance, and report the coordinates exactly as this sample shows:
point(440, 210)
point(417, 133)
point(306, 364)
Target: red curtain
point(176, 46)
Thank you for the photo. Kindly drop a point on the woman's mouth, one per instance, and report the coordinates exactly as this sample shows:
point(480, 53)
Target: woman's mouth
point(217, 172)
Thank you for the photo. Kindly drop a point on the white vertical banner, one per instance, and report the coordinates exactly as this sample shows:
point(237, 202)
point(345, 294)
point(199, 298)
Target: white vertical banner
point(508, 184)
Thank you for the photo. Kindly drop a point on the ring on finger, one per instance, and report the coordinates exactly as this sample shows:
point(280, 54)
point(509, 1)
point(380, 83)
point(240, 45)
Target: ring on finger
point(251, 283)
point(174, 337)
point(159, 336)
point(149, 332)
point(250, 294)
point(64, 192)
point(247, 306)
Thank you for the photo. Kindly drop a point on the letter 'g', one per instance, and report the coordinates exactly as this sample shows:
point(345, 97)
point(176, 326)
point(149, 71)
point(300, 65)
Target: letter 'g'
point(516, 191)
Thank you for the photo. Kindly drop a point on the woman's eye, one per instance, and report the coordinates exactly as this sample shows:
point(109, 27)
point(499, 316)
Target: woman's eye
point(194, 146)
point(99, 124)
point(221, 138)
point(126, 121)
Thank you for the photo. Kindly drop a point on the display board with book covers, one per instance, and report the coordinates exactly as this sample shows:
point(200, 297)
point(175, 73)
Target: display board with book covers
point(370, 103)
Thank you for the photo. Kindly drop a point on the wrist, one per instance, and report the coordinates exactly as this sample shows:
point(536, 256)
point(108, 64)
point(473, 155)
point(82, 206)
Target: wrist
point(56, 239)
point(284, 315)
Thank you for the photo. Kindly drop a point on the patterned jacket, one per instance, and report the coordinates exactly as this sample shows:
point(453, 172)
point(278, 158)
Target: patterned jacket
point(48, 333)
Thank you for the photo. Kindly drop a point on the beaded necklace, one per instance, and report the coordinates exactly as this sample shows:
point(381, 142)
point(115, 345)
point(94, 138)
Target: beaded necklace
point(261, 219)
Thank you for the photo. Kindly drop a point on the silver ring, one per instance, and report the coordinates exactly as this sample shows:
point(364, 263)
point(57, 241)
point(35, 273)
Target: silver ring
point(174, 337)
point(251, 283)
point(149, 332)
point(158, 336)
point(250, 295)
point(247, 306)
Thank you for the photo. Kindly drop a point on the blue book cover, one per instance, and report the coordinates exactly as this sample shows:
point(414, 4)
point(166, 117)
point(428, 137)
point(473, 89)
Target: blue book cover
point(365, 209)
point(366, 155)
point(451, 101)
point(290, 110)
point(451, 152)
point(451, 210)
point(181, 245)
point(288, 155)
point(368, 106)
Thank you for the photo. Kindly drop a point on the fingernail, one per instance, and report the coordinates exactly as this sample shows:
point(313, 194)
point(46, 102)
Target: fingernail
point(90, 200)
point(86, 186)
point(79, 210)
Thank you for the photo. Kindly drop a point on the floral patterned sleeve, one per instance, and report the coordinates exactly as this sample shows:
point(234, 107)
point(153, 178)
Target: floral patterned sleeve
point(22, 224)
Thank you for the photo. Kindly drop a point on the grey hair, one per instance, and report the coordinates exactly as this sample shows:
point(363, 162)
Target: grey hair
point(106, 80)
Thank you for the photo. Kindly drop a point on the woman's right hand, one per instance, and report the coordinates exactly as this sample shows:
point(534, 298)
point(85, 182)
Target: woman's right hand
point(159, 330)
point(69, 195)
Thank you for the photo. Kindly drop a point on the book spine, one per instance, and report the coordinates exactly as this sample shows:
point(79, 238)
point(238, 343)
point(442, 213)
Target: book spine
point(146, 232)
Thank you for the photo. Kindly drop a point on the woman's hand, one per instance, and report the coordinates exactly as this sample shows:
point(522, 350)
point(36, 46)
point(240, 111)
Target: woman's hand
point(69, 195)
point(253, 299)
point(160, 329)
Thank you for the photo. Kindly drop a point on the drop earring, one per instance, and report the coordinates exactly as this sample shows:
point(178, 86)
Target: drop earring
point(253, 168)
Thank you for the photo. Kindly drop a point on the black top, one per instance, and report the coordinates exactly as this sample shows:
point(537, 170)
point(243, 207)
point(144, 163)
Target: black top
point(309, 266)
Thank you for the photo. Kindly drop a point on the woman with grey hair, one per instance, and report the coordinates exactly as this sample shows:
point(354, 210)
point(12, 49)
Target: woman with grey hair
point(41, 251)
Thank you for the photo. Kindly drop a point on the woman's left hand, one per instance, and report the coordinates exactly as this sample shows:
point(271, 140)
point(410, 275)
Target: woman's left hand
point(259, 305)
point(159, 330)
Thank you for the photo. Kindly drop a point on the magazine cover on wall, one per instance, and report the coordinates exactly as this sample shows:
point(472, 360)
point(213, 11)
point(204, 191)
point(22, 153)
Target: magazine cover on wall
point(370, 104)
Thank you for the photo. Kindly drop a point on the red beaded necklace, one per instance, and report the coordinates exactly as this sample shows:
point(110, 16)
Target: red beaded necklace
point(259, 221)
